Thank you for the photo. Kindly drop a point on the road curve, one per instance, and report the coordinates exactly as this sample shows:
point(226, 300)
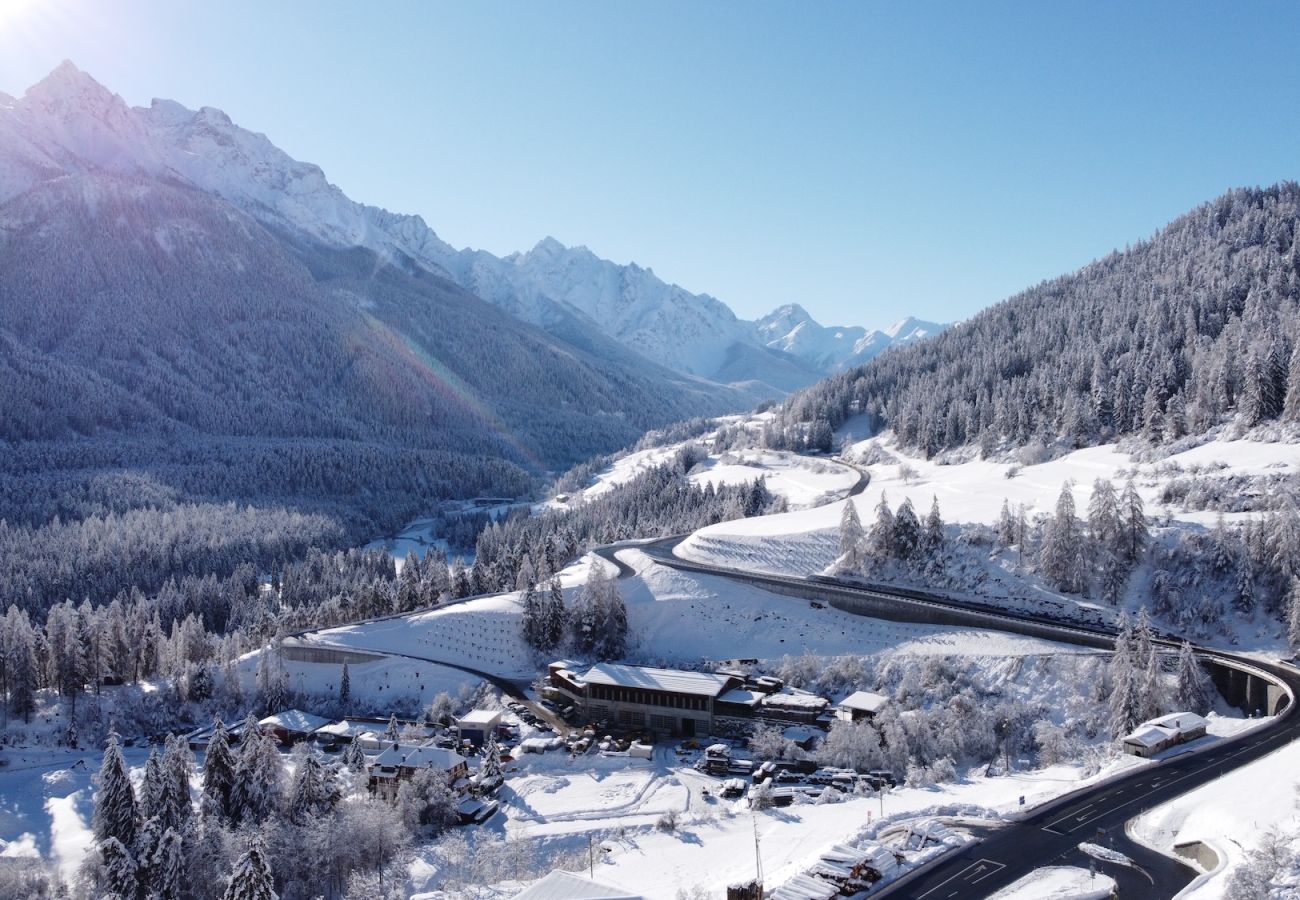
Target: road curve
point(1051, 833)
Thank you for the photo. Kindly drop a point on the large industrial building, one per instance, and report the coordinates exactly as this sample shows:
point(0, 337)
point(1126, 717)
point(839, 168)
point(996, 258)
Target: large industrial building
point(668, 701)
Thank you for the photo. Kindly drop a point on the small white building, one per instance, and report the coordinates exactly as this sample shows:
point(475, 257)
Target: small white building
point(860, 705)
point(477, 725)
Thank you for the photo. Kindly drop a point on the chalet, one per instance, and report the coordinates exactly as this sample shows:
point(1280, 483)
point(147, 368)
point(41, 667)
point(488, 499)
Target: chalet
point(397, 763)
point(860, 706)
point(477, 725)
point(1155, 736)
point(292, 726)
point(561, 885)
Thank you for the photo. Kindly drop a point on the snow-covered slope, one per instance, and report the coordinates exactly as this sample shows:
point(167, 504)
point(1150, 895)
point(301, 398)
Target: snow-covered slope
point(793, 330)
point(69, 122)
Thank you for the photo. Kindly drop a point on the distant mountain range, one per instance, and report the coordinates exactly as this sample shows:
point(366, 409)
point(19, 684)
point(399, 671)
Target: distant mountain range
point(171, 277)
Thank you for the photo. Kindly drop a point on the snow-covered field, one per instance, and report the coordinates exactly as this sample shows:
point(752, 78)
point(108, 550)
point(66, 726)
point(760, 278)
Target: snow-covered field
point(803, 481)
point(973, 492)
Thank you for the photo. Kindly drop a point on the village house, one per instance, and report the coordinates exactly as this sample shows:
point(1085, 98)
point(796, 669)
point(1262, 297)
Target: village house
point(1155, 736)
point(860, 706)
point(397, 763)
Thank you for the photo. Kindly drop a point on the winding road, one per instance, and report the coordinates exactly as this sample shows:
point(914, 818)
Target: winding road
point(1050, 834)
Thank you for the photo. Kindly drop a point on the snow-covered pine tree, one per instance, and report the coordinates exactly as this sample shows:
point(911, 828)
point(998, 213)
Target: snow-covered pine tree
point(554, 617)
point(1293, 615)
point(1190, 693)
point(907, 531)
point(489, 770)
point(1284, 538)
point(1104, 525)
point(168, 868)
point(532, 622)
point(178, 767)
point(1060, 558)
point(313, 791)
point(120, 872)
point(272, 680)
point(851, 537)
point(152, 787)
point(354, 759)
point(1125, 699)
point(932, 541)
point(1134, 517)
point(345, 690)
point(252, 879)
point(1006, 525)
point(611, 642)
point(1291, 406)
point(1153, 686)
point(116, 813)
point(258, 776)
point(219, 770)
point(391, 732)
point(19, 649)
point(880, 539)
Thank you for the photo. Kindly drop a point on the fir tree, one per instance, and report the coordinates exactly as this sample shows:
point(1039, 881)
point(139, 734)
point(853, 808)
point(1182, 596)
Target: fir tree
point(120, 872)
point(1007, 531)
point(219, 770)
point(258, 775)
point(851, 537)
point(1153, 687)
point(168, 879)
point(1133, 515)
point(252, 878)
point(345, 689)
point(532, 622)
point(1104, 523)
point(489, 770)
point(1060, 558)
point(1293, 615)
point(907, 531)
point(881, 537)
point(1125, 699)
point(1191, 693)
point(116, 814)
point(312, 793)
point(933, 539)
point(555, 617)
point(391, 732)
point(354, 759)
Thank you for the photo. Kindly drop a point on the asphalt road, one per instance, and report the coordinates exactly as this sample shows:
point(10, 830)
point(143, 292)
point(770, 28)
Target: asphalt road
point(1051, 834)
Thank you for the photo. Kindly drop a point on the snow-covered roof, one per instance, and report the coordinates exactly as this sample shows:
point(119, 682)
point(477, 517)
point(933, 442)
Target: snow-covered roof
point(796, 700)
point(675, 681)
point(864, 701)
point(295, 720)
point(742, 696)
point(801, 733)
point(1150, 735)
point(1179, 721)
point(350, 729)
point(438, 758)
point(561, 885)
point(480, 717)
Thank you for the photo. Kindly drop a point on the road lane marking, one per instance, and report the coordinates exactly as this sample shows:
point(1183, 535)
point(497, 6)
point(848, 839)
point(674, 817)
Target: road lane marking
point(981, 869)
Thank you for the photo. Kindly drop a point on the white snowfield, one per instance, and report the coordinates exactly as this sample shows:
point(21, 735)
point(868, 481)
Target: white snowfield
point(1230, 815)
point(803, 481)
point(972, 492)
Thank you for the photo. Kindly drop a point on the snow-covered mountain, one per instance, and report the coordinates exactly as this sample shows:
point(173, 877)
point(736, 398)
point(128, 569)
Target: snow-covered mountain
point(70, 122)
point(831, 348)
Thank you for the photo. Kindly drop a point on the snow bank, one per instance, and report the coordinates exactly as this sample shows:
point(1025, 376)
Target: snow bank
point(1059, 883)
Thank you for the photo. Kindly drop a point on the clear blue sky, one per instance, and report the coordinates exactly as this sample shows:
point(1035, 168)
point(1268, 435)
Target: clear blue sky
point(863, 159)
